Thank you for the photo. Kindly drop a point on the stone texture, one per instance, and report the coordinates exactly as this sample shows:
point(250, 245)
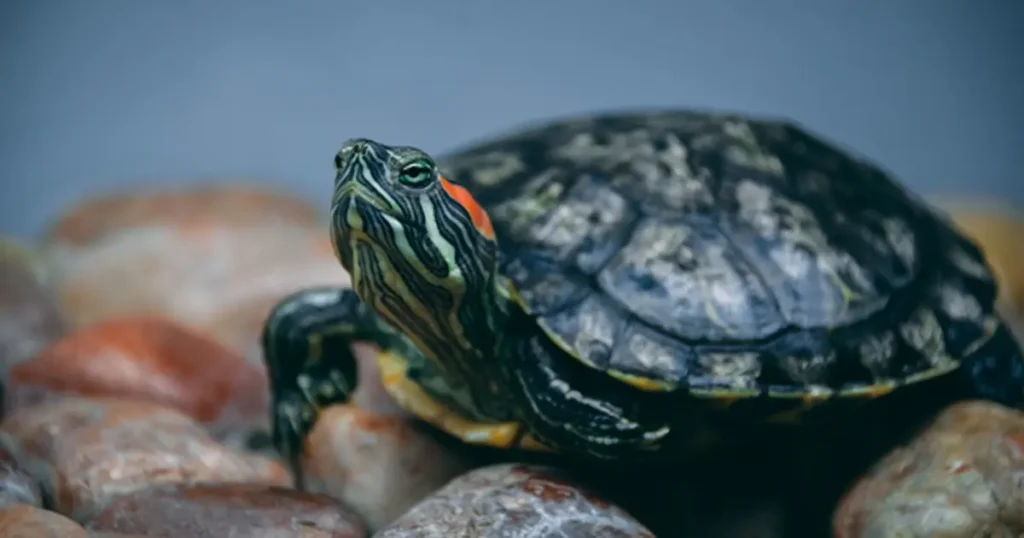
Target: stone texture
point(222, 510)
point(85, 452)
point(148, 358)
point(380, 465)
point(962, 477)
point(29, 318)
point(514, 501)
point(23, 521)
point(17, 486)
point(213, 258)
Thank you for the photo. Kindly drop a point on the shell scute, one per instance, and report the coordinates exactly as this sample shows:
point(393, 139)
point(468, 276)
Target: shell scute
point(733, 257)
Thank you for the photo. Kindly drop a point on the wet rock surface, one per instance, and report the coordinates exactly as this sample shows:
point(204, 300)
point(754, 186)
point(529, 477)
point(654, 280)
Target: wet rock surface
point(220, 510)
point(85, 452)
point(23, 521)
point(380, 465)
point(216, 259)
point(514, 501)
point(963, 477)
point(148, 358)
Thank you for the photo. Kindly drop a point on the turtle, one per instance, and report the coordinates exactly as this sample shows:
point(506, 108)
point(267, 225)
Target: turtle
point(616, 285)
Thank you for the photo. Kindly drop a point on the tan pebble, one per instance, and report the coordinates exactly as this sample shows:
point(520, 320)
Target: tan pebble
point(380, 465)
point(959, 478)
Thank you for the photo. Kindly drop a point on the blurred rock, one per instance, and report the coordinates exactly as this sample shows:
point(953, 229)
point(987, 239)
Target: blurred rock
point(86, 452)
point(223, 510)
point(29, 319)
point(514, 500)
point(23, 521)
point(153, 359)
point(216, 259)
point(962, 477)
point(17, 486)
point(380, 465)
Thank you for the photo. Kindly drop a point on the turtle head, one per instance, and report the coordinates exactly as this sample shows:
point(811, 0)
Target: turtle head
point(420, 250)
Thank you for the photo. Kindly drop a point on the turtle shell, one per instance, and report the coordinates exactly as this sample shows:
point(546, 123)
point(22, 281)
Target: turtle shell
point(727, 255)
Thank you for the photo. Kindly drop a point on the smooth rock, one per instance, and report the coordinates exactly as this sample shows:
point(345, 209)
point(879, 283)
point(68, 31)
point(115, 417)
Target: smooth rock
point(380, 465)
point(221, 510)
point(85, 452)
point(216, 258)
point(148, 358)
point(514, 501)
point(23, 521)
point(29, 318)
point(17, 486)
point(962, 477)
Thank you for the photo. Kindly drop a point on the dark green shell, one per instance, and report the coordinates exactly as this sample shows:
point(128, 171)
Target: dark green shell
point(729, 255)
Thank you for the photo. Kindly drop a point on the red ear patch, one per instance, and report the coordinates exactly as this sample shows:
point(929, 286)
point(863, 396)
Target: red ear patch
point(480, 219)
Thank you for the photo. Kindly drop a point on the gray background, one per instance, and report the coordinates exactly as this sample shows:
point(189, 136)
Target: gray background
point(97, 95)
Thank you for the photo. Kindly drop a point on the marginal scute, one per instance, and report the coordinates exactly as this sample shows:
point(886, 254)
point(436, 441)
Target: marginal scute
point(726, 369)
point(590, 327)
point(644, 352)
point(923, 333)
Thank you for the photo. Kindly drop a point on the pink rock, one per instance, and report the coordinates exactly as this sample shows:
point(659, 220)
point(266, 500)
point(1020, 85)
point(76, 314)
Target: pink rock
point(216, 259)
point(86, 452)
point(514, 501)
point(23, 521)
point(221, 510)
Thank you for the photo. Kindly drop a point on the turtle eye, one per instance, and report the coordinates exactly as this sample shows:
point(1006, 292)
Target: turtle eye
point(416, 174)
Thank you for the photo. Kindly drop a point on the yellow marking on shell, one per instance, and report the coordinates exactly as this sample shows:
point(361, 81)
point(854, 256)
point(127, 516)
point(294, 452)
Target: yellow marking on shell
point(876, 390)
point(724, 397)
point(411, 397)
point(643, 383)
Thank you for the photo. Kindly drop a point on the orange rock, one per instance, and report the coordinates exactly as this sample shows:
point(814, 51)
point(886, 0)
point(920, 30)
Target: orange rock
point(89, 451)
point(960, 478)
point(23, 521)
point(216, 259)
point(148, 358)
point(92, 220)
point(380, 465)
point(220, 510)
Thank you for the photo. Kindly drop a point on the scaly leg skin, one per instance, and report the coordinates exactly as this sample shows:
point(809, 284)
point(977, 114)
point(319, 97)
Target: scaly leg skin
point(308, 355)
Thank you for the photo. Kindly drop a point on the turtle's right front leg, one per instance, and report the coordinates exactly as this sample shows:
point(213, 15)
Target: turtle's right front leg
point(307, 349)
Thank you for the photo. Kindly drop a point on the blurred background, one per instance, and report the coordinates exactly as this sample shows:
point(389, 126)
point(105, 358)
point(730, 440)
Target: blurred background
point(98, 95)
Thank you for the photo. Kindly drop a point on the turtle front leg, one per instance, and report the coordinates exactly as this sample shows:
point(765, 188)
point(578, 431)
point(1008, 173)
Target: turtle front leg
point(307, 351)
point(574, 408)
